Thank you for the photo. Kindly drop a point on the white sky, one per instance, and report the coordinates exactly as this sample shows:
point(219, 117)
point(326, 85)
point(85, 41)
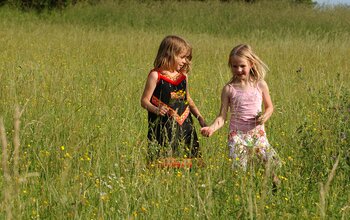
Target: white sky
point(333, 1)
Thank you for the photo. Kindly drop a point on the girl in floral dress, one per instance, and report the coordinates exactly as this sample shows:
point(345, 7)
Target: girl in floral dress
point(166, 98)
point(244, 96)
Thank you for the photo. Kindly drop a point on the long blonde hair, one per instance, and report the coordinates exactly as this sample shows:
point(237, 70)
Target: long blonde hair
point(170, 47)
point(259, 68)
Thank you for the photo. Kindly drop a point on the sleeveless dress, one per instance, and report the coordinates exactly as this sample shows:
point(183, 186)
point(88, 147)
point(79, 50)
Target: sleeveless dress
point(172, 135)
point(247, 139)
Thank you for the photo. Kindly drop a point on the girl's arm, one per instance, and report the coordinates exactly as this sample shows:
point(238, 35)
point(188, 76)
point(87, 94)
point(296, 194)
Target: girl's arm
point(221, 118)
point(195, 111)
point(151, 84)
point(193, 108)
point(268, 106)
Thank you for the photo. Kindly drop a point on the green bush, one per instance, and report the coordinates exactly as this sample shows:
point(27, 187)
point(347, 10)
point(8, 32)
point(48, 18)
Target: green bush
point(40, 5)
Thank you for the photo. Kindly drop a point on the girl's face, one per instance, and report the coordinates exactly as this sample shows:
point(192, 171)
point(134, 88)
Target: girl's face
point(240, 67)
point(180, 60)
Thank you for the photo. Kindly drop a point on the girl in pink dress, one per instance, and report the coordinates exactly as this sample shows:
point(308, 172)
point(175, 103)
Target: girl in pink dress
point(244, 96)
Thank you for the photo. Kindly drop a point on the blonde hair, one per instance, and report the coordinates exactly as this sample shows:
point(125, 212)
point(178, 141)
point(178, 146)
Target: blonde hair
point(259, 68)
point(170, 47)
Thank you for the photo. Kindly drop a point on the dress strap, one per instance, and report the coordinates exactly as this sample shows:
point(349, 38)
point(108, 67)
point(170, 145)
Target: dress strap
point(232, 89)
point(258, 88)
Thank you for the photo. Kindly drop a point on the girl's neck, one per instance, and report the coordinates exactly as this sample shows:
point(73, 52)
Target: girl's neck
point(244, 84)
point(170, 72)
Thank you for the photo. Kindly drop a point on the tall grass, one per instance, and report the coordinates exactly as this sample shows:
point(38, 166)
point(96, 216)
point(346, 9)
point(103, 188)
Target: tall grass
point(78, 75)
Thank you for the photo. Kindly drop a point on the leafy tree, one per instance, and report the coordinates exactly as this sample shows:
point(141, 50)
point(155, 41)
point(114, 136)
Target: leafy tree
point(40, 5)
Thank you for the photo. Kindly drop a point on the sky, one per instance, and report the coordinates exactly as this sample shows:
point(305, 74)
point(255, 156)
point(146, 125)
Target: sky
point(333, 1)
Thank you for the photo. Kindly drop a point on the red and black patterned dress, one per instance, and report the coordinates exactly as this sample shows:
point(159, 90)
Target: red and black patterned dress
point(172, 135)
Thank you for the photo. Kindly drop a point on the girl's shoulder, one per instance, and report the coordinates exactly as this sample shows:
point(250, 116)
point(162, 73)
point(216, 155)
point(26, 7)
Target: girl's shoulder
point(154, 74)
point(155, 71)
point(229, 89)
point(262, 85)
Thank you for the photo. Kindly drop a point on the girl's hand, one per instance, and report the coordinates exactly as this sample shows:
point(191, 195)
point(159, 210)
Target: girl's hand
point(162, 110)
point(260, 118)
point(207, 131)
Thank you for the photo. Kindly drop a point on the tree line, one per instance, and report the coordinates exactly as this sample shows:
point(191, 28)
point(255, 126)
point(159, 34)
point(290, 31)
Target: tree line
point(40, 5)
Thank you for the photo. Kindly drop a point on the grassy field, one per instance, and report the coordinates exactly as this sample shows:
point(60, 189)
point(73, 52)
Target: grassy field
point(75, 78)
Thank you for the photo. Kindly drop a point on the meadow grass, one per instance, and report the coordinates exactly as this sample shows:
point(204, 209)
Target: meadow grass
point(77, 76)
